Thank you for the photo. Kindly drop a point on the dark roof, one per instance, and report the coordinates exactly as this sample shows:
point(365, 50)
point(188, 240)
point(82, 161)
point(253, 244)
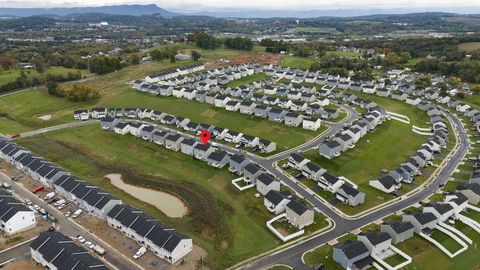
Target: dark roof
point(189, 141)
point(253, 168)
point(376, 237)
point(474, 187)
point(387, 181)
point(217, 155)
point(352, 248)
point(424, 218)
point(401, 227)
point(238, 158)
point(266, 178)
point(331, 144)
point(275, 197)
point(441, 208)
point(173, 137)
point(297, 207)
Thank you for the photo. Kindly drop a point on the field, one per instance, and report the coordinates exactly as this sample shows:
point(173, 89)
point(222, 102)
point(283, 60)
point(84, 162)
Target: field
point(13, 74)
point(469, 46)
point(230, 225)
point(389, 145)
point(297, 62)
point(343, 54)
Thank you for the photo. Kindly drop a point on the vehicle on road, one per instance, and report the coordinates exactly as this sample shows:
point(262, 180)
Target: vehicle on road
point(140, 252)
point(28, 201)
point(68, 214)
point(42, 211)
point(49, 196)
point(81, 239)
point(36, 207)
point(6, 185)
point(38, 189)
point(99, 250)
point(89, 244)
point(77, 213)
point(51, 229)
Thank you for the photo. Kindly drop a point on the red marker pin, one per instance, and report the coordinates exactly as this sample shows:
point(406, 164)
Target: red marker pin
point(205, 136)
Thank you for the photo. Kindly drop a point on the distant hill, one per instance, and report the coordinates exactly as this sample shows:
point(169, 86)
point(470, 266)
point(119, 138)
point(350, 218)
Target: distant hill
point(133, 10)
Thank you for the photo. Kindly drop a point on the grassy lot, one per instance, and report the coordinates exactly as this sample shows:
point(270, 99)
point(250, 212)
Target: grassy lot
point(297, 62)
point(230, 225)
point(469, 46)
point(446, 241)
point(395, 260)
point(322, 254)
point(12, 74)
point(248, 79)
point(343, 54)
point(386, 148)
point(417, 116)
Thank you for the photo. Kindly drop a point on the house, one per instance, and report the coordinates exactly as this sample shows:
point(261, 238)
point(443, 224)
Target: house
point(386, 184)
point(14, 216)
point(108, 123)
point(233, 136)
point(163, 241)
point(297, 161)
point(54, 250)
point(276, 115)
point(345, 141)
point(232, 106)
point(471, 191)
point(251, 172)
point(265, 182)
point(330, 182)
point(187, 145)
point(221, 101)
point(298, 214)
point(266, 146)
point(276, 201)
point(217, 159)
point(352, 254)
point(146, 132)
point(159, 137)
point(328, 113)
point(398, 231)
point(237, 164)
point(423, 222)
point(202, 151)
point(292, 119)
point(442, 211)
point(330, 149)
point(247, 107)
point(219, 132)
point(312, 171)
point(121, 128)
point(98, 113)
point(82, 115)
point(311, 123)
point(172, 142)
point(261, 111)
point(350, 195)
point(376, 242)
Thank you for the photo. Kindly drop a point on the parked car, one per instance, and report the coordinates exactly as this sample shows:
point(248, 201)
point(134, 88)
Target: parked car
point(28, 201)
point(81, 239)
point(42, 211)
point(99, 250)
point(51, 229)
point(140, 252)
point(36, 207)
point(77, 213)
point(68, 214)
point(38, 189)
point(89, 244)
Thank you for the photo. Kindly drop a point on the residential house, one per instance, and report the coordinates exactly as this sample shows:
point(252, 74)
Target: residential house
point(298, 214)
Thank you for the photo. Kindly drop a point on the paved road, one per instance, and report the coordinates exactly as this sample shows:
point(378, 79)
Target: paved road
point(292, 256)
point(64, 225)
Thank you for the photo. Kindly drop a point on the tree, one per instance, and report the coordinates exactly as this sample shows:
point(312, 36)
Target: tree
point(133, 59)
point(204, 40)
point(196, 55)
point(391, 59)
point(454, 81)
point(7, 61)
point(81, 93)
point(423, 81)
point(405, 57)
point(39, 63)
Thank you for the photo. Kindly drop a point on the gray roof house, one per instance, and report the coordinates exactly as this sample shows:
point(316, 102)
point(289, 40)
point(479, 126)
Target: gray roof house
point(313, 171)
point(471, 191)
point(159, 137)
point(172, 142)
point(398, 231)
point(330, 149)
point(217, 159)
point(350, 195)
point(276, 115)
point(352, 254)
point(376, 242)
point(298, 214)
point(293, 119)
point(421, 221)
point(201, 151)
point(237, 163)
point(251, 171)
point(261, 111)
point(276, 201)
point(266, 182)
point(187, 145)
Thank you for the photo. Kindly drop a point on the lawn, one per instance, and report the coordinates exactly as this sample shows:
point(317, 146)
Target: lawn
point(343, 54)
point(446, 241)
point(385, 148)
point(395, 260)
point(297, 62)
point(12, 74)
point(230, 225)
point(247, 80)
point(417, 116)
point(322, 254)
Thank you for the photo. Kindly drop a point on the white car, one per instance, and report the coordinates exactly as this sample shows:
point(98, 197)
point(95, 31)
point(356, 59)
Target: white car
point(68, 214)
point(80, 239)
point(89, 244)
point(36, 207)
point(28, 202)
point(140, 253)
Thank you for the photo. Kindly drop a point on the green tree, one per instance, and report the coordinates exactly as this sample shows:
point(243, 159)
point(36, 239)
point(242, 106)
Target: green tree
point(7, 61)
point(454, 81)
point(196, 55)
point(405, 57)
point(391, 59)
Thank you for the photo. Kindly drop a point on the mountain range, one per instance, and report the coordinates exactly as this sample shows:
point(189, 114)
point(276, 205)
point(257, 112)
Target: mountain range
point(139, 10)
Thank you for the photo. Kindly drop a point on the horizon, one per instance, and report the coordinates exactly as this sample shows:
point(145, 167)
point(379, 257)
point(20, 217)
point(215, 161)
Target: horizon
point(188, 7)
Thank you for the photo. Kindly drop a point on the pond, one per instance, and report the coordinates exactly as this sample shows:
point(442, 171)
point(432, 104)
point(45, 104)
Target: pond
point(169, 204)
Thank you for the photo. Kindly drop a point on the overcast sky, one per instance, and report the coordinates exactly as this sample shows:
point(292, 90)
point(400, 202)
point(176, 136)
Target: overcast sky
point(211, 5)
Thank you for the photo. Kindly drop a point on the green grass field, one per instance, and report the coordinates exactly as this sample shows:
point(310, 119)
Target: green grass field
point(469, 46)
point(297, 62)
point(13, 74)
point(343, 54)
point(390, 144)
point(229, 224)
point(247, 80)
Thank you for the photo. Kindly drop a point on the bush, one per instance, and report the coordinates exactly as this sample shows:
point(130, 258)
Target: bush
point(81, 93)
